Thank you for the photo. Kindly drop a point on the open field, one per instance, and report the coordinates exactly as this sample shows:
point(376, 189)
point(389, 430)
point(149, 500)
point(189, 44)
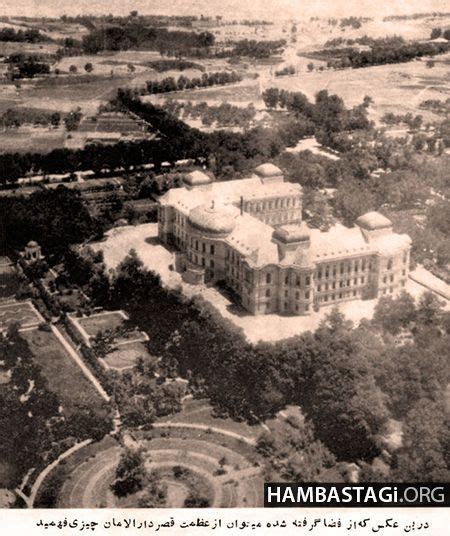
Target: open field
point(21, 312)
point(398, 88)
point(63, 375)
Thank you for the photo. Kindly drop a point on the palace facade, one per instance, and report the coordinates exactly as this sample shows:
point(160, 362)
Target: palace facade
point(248, 234)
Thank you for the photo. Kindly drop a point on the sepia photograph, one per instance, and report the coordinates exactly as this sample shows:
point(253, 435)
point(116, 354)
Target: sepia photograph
point(224, 252)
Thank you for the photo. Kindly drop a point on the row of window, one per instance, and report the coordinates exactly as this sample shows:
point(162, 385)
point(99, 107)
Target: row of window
point(281, 202)
point(342, 284)
point(342, 267)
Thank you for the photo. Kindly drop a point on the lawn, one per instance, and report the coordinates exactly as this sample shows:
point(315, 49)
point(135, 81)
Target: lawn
point(21, 312)
point(64, 376)
point(95, 324)
point(125, 356)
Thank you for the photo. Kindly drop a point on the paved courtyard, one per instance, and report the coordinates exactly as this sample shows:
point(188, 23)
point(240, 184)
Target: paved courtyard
point(271, 327)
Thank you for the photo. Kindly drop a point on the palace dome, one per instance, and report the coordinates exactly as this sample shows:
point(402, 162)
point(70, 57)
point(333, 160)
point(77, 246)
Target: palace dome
point(268, 170)
point(373, 220)
point(212, 220)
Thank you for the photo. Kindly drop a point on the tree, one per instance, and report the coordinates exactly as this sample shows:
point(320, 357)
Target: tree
point(435, 33)
point(425, 438)
point(73, 69)
point(55, 119)
point(346, 406)
point(446, 34)
point(155, 492)
point(130, 473)
point(293, 454)
point(393, 314)
point(88, 67)
point(270, 97)
point(310, 66)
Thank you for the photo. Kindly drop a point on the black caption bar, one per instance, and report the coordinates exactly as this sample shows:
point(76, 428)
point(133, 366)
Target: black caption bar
point(279, 494)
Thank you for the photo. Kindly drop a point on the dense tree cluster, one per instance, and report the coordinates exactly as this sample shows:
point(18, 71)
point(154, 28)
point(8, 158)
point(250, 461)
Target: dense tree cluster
point(26, 66)
point(380, 55)
point(29, 35)
point(328, 113)
point(177, 65)
point(136, 35)
point(256, 49)
point(54, 218)
point(223, 115)
point(16, 117)
point(206, 80)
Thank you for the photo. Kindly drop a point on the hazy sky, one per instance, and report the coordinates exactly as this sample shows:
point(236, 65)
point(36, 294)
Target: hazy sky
point(230, 8)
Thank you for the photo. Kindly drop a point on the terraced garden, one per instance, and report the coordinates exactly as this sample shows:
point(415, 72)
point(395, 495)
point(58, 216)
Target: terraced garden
point(190, 458)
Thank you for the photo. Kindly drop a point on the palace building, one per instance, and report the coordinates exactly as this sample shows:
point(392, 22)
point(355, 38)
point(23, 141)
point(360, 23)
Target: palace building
point(248, 234)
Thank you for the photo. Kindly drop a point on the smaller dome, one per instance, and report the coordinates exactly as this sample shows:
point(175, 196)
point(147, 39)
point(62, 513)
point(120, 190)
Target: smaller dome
point(373, 220)
point(292, 233)
point(197, 178)
point(212, 220)
point(32, 244)
point(268, 170)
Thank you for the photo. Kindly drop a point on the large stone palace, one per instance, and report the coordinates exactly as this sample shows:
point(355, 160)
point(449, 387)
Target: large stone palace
point(249, 235)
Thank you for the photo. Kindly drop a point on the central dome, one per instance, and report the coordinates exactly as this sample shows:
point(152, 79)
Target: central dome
point(212, 220)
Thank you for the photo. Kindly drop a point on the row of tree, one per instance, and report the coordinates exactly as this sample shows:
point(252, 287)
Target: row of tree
point(183, 82)
point(381, 55)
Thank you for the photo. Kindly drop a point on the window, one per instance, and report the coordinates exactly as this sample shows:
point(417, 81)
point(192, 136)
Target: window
point(325, 298)
point(384, 279)
point(363, 280)
point(286, 293)
point(307, 295)
point(341, 284)
point(333, 285)
point(354, 293)
point(203, 261)
point(333, 297)
point(268, 279)
point(297, 295)
point(348, 282)
point(319, 287)
point(307, 281)
point(341, 268)
point(319, 274)
point(326, 286)
point(196, 245)
point(212, 249)
point(203, 247)
point(389, 264)
point(403, 283)
point(296, 307)
point(340, 294)
point(307, 307)
point(268, 293)
point(286, 280)
point(363, 267)
point(334, 271)
point(327, 273)
point(405, 257)
point(355, 281)
point(392, 278)
point(285, 305)
point(211, 263)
